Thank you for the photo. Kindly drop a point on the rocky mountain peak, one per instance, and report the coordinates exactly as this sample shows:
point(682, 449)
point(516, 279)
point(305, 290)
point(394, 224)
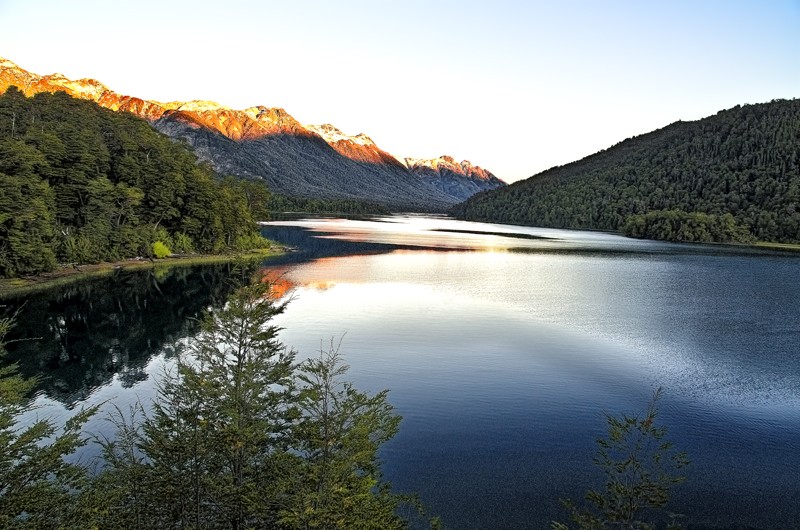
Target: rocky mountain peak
point(363, 139)
point(86, 88)
point(56, 77)
point(333, 135)
point(460, 179)
point(448, 163)
point(198, 105)
point(5, 63)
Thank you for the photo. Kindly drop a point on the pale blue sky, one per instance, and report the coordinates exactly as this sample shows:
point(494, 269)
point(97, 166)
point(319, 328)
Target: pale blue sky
point(515, 87)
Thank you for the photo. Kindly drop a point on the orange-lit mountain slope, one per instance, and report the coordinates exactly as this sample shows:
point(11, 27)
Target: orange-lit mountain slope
point(270, 145)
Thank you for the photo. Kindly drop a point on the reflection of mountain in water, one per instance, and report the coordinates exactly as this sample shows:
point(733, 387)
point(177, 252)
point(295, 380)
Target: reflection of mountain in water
point(311, 244)
point(78, 337)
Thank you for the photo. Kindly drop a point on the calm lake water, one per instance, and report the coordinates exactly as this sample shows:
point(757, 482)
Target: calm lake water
point(502, 346)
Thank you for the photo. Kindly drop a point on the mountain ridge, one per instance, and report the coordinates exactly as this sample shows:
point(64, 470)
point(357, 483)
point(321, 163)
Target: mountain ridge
point(266, 143)
point(460, 179)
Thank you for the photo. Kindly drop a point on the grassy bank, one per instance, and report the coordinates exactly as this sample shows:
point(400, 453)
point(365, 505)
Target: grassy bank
point(790, 247)
point(66, 274)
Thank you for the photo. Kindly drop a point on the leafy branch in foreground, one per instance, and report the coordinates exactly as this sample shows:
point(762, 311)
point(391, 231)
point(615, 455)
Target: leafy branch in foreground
point(640, 468)
point(35, 481)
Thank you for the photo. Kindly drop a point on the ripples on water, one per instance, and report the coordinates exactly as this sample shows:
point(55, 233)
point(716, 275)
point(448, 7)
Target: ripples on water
point(503, 346)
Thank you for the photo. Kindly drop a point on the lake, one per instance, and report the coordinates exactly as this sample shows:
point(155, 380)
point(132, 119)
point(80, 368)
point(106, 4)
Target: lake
point(503, 348)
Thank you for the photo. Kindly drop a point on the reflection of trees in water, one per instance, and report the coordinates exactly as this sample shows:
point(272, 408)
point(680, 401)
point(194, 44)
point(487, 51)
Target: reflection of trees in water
point(310, 245)
point(78, 337)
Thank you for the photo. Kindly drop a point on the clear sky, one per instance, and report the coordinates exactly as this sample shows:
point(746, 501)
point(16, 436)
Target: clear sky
point(514, 86)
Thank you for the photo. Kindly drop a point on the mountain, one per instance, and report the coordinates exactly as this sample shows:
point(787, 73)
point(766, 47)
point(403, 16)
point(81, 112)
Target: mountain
point(262, 143)
point(742, 162)
point(457, 179)
point(359, 147)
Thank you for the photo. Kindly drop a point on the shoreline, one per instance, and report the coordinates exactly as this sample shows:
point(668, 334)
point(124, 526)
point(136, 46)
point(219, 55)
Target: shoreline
point(68, 273)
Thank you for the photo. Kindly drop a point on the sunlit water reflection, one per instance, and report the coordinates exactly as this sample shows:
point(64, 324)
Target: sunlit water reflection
point(503, 353)
point(503, 346)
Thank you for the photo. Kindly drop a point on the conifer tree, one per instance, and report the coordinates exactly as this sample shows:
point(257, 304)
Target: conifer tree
point(240, 436)
point(219, 434)
point(339, 484)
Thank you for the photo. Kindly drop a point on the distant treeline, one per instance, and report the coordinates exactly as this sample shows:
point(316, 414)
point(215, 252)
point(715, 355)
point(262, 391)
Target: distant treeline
point(283, 203)
point(675, 225)
point(81, 184)
point(744, 162)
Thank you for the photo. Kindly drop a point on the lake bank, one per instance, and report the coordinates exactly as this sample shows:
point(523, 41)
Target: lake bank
point(68, 273)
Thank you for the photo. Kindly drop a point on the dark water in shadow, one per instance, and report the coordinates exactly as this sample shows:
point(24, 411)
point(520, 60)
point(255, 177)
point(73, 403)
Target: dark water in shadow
point(80, 337)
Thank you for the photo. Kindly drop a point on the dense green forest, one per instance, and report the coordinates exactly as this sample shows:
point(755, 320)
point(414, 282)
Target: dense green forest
point(744, 161)
point(285, 204)
point(677, 225)
point(83, 184)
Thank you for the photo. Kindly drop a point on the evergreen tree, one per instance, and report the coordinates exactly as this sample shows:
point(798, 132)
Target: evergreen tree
point(26, 226)
point(242, 437)
point(676, 225)
point(283, 204)
point(257, 197)
point(216, 446)
point(339, 484)
point(220, 431)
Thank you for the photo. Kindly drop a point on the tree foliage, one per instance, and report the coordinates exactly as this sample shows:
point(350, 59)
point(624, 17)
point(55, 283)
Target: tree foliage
point(338, 483)
point(640, 468)
point(287, 204)
point(744, 162)
point(79, 183)
point(36, 482)
point(241, 436)
point(676, 225)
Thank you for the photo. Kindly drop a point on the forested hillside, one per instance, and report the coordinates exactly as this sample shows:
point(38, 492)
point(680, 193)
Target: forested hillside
point(744, 161)
point(80, 184)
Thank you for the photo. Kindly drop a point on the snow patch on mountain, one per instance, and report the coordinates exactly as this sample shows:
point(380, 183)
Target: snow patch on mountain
point(198, 105)
point(332, 135)
point(5, 63)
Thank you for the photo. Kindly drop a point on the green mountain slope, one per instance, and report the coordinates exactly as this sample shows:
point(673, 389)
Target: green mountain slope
point(744, 161)
point(81, 184)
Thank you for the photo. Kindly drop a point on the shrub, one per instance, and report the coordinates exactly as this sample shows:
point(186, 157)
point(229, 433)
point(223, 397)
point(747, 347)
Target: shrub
point(250, 241)
point(182, 244)
point(160, 250)
point(640, 468)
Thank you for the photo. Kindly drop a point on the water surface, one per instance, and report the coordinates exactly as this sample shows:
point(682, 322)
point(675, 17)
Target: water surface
point(502, 346)
point(503, 353)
